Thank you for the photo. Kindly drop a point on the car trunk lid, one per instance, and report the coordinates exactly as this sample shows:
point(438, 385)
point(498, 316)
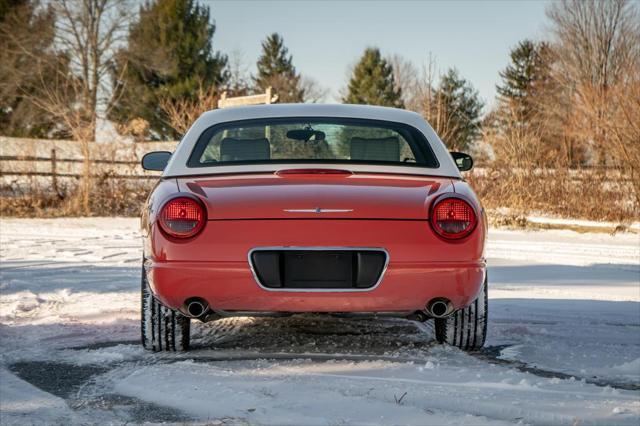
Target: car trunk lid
point(316, 194)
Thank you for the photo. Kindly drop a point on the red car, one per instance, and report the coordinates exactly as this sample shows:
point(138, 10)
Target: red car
point(338, 209)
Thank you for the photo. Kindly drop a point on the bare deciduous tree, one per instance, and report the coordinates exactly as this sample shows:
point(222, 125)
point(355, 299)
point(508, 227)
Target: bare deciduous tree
point(624, 132)
point(87, 34)
point(430, 103)
point(88, 31)
point(595, 41)
point(183, 112)
point(596, 50)
point(239, 82)
point(313, 91)
point(451, 106)
point(406, 79)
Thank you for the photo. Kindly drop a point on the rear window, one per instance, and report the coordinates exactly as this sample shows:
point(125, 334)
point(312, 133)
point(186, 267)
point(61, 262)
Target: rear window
point(312, 140)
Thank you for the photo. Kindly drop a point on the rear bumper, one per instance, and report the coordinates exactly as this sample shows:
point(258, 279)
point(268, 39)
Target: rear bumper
point(231, 286)
point(215, 266)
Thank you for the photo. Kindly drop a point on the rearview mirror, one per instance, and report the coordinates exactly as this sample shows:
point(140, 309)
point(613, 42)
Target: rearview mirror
point(464, 162)
point(156, 160)
point(306, 135)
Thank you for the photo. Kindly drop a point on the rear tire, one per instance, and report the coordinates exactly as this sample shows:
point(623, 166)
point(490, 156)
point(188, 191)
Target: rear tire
point(466, 328)
point(162, 329)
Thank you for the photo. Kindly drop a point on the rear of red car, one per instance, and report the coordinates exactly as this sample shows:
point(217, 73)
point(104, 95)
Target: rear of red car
point(238, 255)
point(314, 238)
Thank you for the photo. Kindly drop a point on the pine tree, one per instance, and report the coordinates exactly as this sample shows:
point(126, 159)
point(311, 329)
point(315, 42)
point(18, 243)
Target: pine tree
point(525, 77)
point(276, 70)
point(455, 111)
point(520, 126)
point(372, 82)
point(169, 56)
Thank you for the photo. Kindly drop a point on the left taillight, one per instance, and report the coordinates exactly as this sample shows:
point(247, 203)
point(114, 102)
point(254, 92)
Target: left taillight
point(182, 217)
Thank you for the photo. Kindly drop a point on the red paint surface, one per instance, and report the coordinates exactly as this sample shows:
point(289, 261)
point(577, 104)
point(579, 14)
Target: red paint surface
point(263, 196)
point(246, 212)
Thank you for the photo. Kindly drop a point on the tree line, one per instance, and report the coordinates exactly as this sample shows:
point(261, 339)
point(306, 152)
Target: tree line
point(69, 62)
point(66, 63)
point(570, 100)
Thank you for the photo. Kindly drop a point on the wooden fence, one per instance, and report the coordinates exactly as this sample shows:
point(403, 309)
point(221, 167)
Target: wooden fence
point(54, 172)
point(55, 159)
point(27, 164)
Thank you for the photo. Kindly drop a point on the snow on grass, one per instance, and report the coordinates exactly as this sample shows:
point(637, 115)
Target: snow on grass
point(563, 346)
point(546, 220)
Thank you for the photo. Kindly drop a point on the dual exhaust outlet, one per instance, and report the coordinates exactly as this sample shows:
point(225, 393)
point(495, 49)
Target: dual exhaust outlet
point(436, 308)
point(196, 308)
point(439, 307)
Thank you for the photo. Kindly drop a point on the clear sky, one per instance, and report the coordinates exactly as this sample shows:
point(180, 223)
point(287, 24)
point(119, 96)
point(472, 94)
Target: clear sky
point(326, 37)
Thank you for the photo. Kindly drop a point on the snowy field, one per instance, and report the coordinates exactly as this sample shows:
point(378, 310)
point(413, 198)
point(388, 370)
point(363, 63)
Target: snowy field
point(563, 346)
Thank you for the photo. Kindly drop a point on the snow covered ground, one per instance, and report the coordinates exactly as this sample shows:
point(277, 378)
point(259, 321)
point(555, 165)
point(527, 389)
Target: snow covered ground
point(563, 347)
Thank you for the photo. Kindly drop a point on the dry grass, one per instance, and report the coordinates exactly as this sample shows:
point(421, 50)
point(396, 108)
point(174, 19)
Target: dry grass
point(109, 197)
point(587, 194)
point(596, 194)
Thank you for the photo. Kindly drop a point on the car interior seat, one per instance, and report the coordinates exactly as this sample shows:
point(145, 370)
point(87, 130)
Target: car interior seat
point(380, 149)
point(232, 149)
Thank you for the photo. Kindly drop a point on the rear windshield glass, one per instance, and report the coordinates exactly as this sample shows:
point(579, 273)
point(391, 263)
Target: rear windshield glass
point(312, 140)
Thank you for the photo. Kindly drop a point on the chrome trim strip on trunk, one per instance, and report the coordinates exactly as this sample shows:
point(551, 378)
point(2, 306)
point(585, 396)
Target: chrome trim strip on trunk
point(317, 210)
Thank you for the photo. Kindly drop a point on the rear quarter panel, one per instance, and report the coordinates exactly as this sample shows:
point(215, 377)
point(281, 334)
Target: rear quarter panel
point(164, 189)
point(463, 189)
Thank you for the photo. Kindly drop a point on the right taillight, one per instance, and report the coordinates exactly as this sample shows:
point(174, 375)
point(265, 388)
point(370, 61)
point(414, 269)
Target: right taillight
point(453, 218)
point(182, 217)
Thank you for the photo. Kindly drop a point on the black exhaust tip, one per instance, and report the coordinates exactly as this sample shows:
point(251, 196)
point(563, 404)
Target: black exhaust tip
point(439, 308)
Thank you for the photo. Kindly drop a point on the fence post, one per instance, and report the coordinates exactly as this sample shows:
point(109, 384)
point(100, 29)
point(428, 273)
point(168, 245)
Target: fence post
point(54, 177)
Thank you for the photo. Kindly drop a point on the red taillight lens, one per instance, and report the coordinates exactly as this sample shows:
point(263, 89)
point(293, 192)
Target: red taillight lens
point(453, 218)
point(182, 217)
